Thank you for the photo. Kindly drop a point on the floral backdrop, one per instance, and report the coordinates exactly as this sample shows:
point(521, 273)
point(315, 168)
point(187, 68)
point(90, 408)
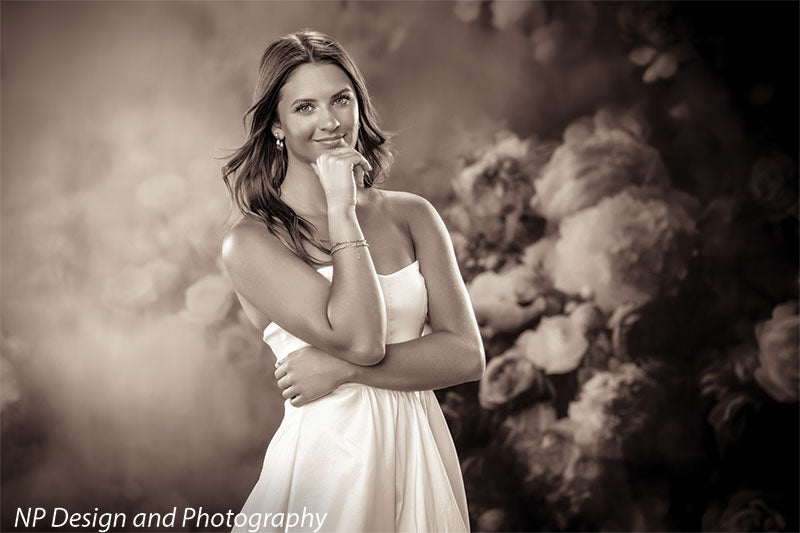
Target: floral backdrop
point(620, 183)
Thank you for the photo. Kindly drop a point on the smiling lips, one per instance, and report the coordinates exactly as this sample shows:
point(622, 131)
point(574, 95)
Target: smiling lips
point(331, 140)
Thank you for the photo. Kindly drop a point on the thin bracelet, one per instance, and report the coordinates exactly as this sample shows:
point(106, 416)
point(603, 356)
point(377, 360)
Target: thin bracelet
point(348, 244)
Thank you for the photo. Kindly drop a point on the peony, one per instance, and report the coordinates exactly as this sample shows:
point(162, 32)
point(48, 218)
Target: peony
point(573, 485)
point(484, 184)
point(557, 345)
point(612, 409)
point(626, 249)
point(511, 378)
point(494, 189)
point(506, 301)
point(208, 300)
point(778, 353)
point(492, 194)
point(600, 156)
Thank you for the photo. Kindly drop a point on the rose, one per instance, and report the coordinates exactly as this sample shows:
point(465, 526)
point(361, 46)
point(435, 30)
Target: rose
point(508, 300)
point(778, 353)
point(613, 410)
point(511, 378)
point(770, 182)
point(601, 155)
point(557, 345)
point(626, 249)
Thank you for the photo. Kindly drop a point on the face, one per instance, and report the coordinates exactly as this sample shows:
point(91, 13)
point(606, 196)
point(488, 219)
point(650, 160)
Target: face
point(317, 111)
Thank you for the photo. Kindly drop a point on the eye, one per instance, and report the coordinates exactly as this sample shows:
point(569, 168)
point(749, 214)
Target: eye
point(302, 108)
point(343, 99)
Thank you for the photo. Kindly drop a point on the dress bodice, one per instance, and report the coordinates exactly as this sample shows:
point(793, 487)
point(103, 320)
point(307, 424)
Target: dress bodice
point(406, 298)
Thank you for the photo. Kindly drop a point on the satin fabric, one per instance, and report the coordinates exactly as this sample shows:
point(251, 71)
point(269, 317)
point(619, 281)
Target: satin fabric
point(374, 460)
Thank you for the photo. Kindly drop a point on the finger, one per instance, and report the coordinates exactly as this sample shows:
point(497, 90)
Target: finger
point(280, 372)
point(297, 401)
point(289, 392)
point(365, 163)
point(351, 153)
point(284, 382)
point(359, 174)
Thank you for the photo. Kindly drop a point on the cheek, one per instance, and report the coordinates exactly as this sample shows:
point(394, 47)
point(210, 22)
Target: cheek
point(353, 123)
point(302, 130)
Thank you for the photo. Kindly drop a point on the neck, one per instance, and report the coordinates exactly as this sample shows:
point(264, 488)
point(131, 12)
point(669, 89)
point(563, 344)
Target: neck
point(302, 191)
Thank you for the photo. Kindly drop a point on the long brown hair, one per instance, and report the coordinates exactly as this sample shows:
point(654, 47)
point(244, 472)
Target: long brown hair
point(255, 172)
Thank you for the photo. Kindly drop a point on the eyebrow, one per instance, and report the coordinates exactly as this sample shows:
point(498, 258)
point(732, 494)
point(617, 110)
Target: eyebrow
point(334, 95)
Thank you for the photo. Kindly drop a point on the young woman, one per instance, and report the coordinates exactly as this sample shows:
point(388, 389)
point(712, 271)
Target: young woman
point(342, 277)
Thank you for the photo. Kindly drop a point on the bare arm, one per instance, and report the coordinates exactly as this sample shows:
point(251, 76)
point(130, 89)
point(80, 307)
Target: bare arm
point(346, 318)
point(452, 354)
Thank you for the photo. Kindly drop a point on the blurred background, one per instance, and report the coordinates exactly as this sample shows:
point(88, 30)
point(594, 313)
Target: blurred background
point(620, 182)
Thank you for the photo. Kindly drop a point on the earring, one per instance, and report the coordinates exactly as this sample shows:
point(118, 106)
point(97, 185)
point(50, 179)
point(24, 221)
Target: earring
point(279, 142)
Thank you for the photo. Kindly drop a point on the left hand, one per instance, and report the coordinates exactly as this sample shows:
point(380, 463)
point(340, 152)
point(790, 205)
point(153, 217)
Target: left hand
point(308, 374)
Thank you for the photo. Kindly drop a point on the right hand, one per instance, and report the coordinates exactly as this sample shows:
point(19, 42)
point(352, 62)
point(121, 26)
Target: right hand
point(309, 373)
point(338, 170)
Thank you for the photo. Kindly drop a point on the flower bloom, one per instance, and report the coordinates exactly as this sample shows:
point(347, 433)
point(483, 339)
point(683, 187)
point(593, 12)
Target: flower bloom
point(612, 409)
point(506, 301)
point(557, 345)
point(626, 249)
point(601, 155)
point(512, 377)
point(778, 353)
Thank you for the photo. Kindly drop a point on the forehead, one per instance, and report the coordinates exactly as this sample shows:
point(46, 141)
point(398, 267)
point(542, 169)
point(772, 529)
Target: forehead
point(314, 80)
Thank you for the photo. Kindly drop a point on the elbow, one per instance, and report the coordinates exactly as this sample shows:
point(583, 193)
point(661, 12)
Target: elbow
point(368, 355)
point(478, 367)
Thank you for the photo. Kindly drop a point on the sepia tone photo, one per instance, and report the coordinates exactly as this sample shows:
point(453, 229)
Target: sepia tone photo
point(373, 266)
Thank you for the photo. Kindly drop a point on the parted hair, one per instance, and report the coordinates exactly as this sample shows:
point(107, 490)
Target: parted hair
point(254, 172)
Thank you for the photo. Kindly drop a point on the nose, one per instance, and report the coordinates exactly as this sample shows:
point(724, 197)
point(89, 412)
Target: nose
point(328, 120)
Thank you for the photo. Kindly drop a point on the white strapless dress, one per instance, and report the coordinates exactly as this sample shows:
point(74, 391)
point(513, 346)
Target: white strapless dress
point(374, 460)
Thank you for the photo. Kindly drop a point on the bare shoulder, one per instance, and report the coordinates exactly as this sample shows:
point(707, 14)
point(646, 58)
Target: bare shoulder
point(246, 238)
point(431, 239)
point(408, 207)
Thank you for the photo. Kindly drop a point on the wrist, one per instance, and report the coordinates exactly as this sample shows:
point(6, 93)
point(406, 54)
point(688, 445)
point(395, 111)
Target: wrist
point(349, 374)
point(340, 209)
